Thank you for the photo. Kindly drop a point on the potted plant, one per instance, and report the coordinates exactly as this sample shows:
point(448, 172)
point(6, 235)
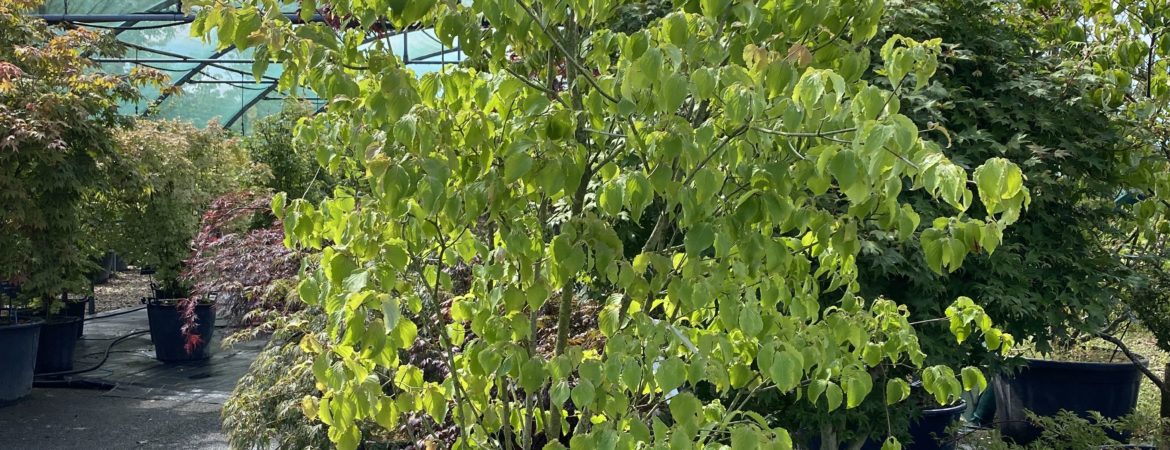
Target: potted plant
point(183, 169)
point(239, 257)
point(1092, 380)
point(58, 335)
point(59, 109)
point(1054, 278)
point(181, 325)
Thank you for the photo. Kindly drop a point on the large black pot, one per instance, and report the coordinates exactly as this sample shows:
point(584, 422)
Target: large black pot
point(1045, 387)
point(108, 264)
point(166, 324)
point(928, 432)
point(76, 309)
point(56, 344)
point(18, 356)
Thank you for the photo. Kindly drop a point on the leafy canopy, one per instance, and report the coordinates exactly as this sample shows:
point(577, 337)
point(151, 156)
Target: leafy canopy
point(178, 171)
point(57, 111)
point(740, 138)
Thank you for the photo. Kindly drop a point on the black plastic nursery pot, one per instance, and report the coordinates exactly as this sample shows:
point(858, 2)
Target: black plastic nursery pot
point(18, 357)
point(1045, 387)
point(57, 342)
point(928, 432)
point(76, 309)
point(166, 323)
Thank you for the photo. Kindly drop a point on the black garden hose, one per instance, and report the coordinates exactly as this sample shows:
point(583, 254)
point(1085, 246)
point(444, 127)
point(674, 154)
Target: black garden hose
point(105, 357)
point(140, 308)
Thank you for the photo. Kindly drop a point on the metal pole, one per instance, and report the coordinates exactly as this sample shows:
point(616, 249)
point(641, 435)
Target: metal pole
point(146, 17)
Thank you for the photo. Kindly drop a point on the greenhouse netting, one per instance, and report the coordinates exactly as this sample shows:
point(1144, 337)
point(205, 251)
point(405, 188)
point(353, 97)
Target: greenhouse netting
point(213, 84)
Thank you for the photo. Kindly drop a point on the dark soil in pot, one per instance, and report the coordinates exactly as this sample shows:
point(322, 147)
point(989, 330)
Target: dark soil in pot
point(18, 352)
point(1045, 387)
point(58, 340)
point(166, 323)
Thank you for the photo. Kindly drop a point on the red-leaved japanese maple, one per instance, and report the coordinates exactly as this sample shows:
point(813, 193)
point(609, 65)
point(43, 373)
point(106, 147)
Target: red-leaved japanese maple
point(239, 260)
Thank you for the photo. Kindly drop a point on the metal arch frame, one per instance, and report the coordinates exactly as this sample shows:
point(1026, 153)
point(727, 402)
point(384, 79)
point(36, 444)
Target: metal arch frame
point(185, 78)
point(248, 106)
point(177, 18)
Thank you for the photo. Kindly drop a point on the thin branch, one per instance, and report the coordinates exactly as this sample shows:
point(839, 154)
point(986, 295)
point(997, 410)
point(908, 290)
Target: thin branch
point(726, 139)
point(606, 133)
point(814, 134)
point(835, 36)
point(920, 322)
point(903, 158)
point(571, 58)
point(1137, 361)
point(532, 84)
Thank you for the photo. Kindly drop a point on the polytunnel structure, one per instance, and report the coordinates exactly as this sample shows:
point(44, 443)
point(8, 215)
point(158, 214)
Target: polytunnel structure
point(211, 83)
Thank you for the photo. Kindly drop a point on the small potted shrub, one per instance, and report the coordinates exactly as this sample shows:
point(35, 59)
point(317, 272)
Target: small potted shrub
point(57, 112)
point(239, 258)
point(1083, 381)
point(183, 169)
point(1050, 280)
point(58, 336)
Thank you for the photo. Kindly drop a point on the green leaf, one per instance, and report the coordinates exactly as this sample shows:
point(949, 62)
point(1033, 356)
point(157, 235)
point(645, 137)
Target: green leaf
point(559, 392)
point(698, 239)
point(675, 26)
point(308, 9)
point(406, 332)
point(846, 168)
point(339, 266)
point(786, 370)
point(833, 395)
point(435, 403)
point(714, 9)
point(537, 295)
point(973, 379)
point(514, 300)
point(391, 312)
point(750, 321)
point(891, 443)
point(356, 281)
point(744, 438)
point(583, 393)
point(684, 407)
point(610, 200)
point(670, 374)
point(897, 389)
point(516, 165)
point(857, 387)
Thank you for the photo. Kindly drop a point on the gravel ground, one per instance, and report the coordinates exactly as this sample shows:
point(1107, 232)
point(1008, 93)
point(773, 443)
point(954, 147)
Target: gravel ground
point(123, 290)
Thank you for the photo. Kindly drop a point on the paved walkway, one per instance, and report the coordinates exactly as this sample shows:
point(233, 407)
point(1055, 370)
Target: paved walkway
point(150, 405)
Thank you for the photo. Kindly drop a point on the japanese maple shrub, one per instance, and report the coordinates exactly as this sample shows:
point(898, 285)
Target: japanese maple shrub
point(741, 135)
point(181, 169)
point(57, 113)
point(239, 258)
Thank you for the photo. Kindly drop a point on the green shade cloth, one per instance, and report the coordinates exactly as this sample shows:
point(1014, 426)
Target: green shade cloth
point(223, 91)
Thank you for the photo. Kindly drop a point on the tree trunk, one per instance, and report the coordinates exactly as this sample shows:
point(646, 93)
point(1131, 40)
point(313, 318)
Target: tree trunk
point(1164, 414)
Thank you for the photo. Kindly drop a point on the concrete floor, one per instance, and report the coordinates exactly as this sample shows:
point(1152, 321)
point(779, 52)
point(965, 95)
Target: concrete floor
point(151, 406)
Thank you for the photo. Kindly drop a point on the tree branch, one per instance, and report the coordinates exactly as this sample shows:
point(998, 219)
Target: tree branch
point(569, 57)
point(1137, 361)
point(545, 89)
